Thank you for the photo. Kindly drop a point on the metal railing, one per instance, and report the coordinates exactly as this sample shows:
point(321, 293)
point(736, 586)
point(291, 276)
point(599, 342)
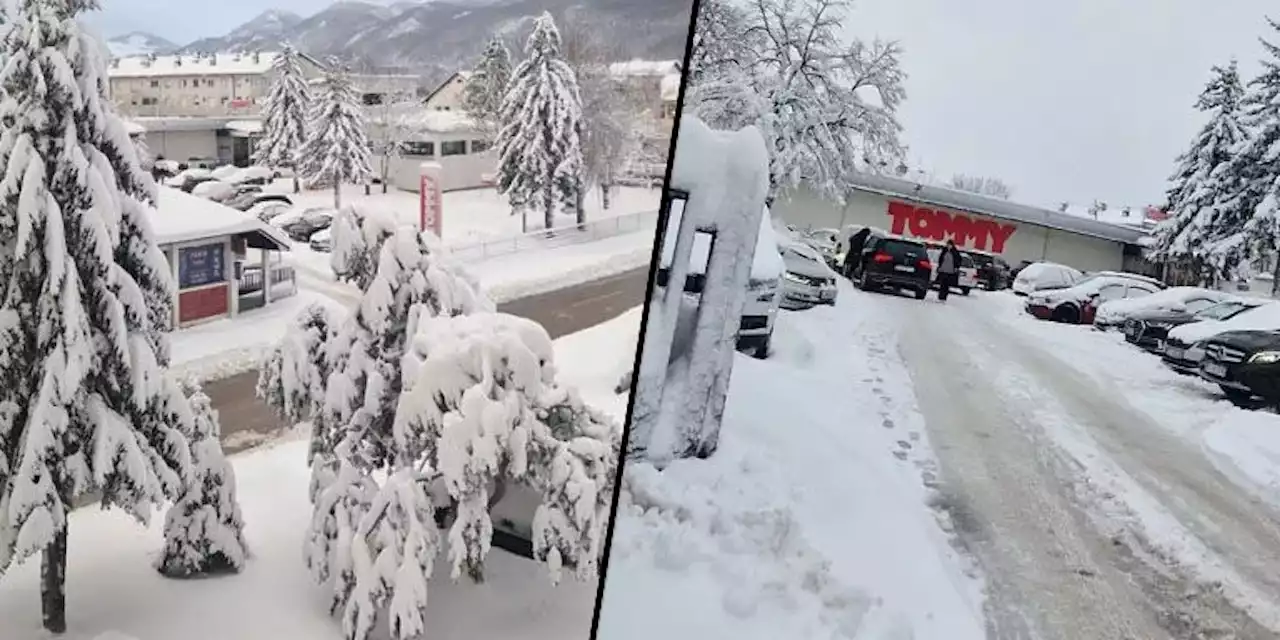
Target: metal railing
point(559, 237)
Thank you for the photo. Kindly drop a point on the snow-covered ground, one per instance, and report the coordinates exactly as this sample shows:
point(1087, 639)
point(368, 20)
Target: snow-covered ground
point(470, 216)
point(112, 587)
point(812, 520)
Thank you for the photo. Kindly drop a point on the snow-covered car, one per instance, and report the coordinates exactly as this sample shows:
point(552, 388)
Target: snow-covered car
point(1149, 329)
point(807, 280)
point(760, 309)
point(215, 190)
point(267, 210)
point(1044, 276)
point(1182, 350)
point(186, 177)
point(1079, 303)
point(252, 175)
point(322, 240)
point(824, 242)
point(967, 278)
point(1113, 314)
point(226, 172)
point(300, 222)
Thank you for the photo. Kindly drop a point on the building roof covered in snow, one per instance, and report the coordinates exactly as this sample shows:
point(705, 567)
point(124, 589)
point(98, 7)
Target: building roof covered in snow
point(181, 217)
point(133, 128)
point(633, 68)
point(995, 207)
point(204, 64)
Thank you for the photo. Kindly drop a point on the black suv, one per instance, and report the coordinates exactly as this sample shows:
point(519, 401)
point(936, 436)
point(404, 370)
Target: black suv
point(1245, 364)
point(1150, 329)
point(889, 262)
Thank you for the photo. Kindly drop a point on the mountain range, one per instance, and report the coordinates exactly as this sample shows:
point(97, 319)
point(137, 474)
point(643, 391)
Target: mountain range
point(436, 37)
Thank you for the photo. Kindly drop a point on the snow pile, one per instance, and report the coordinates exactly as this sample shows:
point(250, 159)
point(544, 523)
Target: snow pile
point(810, 520)
point(1249, 441)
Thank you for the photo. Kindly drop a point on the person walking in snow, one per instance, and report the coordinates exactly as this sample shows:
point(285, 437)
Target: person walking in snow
point(948, 269)
point(854, 255)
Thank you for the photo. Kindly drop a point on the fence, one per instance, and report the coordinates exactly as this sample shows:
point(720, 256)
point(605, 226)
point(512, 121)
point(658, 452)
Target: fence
point(559, 237)
point(251, 294)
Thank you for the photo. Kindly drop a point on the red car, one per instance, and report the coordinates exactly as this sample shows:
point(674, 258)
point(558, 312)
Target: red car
point(1079, 303)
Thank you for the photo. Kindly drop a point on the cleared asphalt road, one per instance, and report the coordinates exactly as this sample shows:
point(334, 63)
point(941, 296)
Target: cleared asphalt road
point(246, 421)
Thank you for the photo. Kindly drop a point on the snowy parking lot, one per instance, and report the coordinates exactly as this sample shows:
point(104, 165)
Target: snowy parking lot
point(907, 469)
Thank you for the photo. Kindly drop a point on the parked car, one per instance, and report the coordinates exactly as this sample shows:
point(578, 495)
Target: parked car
point(187, 179)
point(806, 280)
point(252, 175)
point(1044, 276)
point(267, 210)
point(208, 164)
point(967, 279)
point(993, 271)
point(250, 196)
point(1149, 328)
point(1182, 350)
point(299, 223)
point(322, 240)
point(824, 242)
point(1112, 315)
point(213, 189)
point(764, 296)
point(891, 262)
point(1244, 364)
point(1078, 303)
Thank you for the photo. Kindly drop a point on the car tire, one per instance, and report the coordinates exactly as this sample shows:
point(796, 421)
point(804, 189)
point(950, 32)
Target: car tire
point(1067, 313)
point(861, 281)
point(921, 293)
point(964, 291)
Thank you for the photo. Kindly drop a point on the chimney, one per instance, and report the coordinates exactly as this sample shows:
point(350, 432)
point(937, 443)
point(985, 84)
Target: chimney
point(257, 58)
point(213, 59)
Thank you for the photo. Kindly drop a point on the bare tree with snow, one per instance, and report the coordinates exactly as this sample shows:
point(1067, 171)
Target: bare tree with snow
point(539, 145)
point(981, 185)
point(284, 119)
point(610, 109)
point(204, 531)
point(826, 104)
point(86, 405)
point(337, 148)
point(487, 85)
point(357, 237)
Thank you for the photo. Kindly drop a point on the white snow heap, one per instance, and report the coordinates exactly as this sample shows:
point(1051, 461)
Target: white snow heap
point(337, 149)
point(293, 375)
point(791, 72)
point(357, 236)
point(86, 404)
point(204, 531)
point(284, 121)
point(539, 147)
point(680, 396)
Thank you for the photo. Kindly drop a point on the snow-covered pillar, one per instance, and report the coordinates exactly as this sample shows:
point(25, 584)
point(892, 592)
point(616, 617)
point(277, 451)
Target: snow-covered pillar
point(266, 276)
point(174, 257)
point(430, 202)
point(725, 175)
point(233, 278)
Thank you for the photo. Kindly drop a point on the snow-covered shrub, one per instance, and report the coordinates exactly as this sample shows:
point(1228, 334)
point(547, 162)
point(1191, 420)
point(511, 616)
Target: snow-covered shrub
point(292, 377)
point(358, 234)
point(203, 531)
point(479, 407)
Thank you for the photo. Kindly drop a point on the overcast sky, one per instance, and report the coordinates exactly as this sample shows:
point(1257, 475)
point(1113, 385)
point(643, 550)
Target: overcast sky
point(1063, 100)
point(184, 21)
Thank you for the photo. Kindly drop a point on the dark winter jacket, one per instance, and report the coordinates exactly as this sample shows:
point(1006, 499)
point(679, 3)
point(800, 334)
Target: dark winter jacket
point(955, 260)
point(856, 243)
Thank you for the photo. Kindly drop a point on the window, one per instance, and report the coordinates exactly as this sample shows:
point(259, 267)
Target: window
point(148, 102)
point(479, 146)
point(1198, 304)
point(453, 148)
point(1139, 292)
point(155, 84)
point(1111, 292)
point(418, 148)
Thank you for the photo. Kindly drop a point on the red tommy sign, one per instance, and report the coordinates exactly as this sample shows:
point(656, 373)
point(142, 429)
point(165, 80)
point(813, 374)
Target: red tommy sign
point(937, 225)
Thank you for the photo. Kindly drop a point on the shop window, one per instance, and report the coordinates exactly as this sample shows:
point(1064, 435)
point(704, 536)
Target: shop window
point(418, 148)
point(453, 148)
point(479, 146)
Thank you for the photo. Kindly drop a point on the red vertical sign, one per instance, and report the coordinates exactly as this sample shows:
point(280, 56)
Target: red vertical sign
point(429, 204)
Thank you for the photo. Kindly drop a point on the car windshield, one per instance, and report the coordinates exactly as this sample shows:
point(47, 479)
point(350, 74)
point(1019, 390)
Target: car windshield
point(1220, 311)
point(903, 249)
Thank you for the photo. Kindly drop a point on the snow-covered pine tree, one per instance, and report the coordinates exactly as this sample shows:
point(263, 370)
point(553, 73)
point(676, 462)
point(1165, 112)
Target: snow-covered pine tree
point(292, 377)
point(85, 402)
point(357, 237)
point(364, 355)
point(203, 530)
point(480, 407)
point(609, 109)
point(1256, 172)
point(284, 120)
point(337, 149)
point(1202, 178)
point(487, 85)
point(539, 148)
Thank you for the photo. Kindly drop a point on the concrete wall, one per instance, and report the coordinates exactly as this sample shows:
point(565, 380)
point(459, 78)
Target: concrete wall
point(803, 209)
point(466, 171)
point(182, 145)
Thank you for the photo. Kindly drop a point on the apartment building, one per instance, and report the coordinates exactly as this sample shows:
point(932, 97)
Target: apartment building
point(196, 85)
